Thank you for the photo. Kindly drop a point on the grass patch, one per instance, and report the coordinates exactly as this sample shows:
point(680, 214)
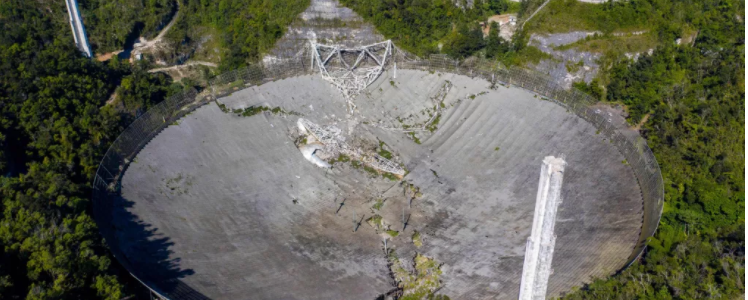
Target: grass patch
point(356, 164)
point(414, 137)
point(378, 205)
point(431, 127)
point(222, 107)
point(512, 7)
point(390, 176)
point(371, 171)
point(570, 15)
point(416, 191)
point(236, 84)
point(614, 44)
point(529, 54)
point(254, 110)
point(419, 285)
point(207, 50)
point(573, 68)
point(383, 152)
point(341, 158)
point(417, 239)
point(375, 221)
point(392, 233)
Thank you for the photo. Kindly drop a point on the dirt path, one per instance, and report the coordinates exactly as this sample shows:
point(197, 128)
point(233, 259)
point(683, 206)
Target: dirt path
point(638, 126)
point(145, 45)
point(191, 63)
point(533, 14)
point(178, 72)
point(107, 56)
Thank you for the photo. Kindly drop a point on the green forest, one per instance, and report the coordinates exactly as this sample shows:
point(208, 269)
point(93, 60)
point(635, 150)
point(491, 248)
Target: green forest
point(54, 128)
point(694, 102)
point(422, 26)
point(242, 30)
point(111, 23)
point(60, 111)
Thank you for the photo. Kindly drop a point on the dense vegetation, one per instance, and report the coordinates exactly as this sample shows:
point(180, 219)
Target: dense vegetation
point(694, 102)
point(55, 123)
point(54, 127)
point(242, 29)
point(110, 23)
point(568, 15)
point(422, 26)
point(140, 90)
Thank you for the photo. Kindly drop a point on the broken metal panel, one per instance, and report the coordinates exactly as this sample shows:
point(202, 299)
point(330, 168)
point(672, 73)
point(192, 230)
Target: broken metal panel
point(331, 137)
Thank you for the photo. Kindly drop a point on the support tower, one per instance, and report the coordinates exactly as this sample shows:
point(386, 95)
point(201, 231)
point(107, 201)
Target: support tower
point(539, 251)
point(79, 32)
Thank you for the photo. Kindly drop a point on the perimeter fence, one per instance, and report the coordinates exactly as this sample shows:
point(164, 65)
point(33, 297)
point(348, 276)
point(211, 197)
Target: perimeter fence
point(106, 186)
point(634, 150)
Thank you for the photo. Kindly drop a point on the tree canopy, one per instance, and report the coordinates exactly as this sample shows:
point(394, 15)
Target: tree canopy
point(425, 26)
point(55, 127)
point(693, 102)
point(244, 29)
point(56, 123)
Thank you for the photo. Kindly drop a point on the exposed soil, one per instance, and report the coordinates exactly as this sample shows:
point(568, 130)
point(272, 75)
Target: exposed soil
point(107, 56)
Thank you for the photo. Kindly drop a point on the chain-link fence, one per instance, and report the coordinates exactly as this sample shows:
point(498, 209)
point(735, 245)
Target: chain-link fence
point(124, 149)
point(106, 185)
point(254, 75)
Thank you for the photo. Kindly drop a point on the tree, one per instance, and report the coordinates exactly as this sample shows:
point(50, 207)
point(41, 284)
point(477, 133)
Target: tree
point(495, 44)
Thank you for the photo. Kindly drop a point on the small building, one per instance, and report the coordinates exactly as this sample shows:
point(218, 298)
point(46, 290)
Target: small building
point(510, 19)
point(507, 24)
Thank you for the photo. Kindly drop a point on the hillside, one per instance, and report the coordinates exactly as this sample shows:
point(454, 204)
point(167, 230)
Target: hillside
point(675, 68)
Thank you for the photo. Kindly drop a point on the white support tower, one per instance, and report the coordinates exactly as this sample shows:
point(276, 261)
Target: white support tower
point(539, 251)
point(351, 70)
point(334, 143)
point(79, 32)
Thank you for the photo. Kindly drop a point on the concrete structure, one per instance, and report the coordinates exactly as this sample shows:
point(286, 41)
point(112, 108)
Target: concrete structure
point(540, 245)
point(326, 22)
point(227, 206)
point(79, 32)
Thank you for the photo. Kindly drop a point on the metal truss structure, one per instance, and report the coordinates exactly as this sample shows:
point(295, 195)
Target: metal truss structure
point(351, 70)
point(331, 137)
